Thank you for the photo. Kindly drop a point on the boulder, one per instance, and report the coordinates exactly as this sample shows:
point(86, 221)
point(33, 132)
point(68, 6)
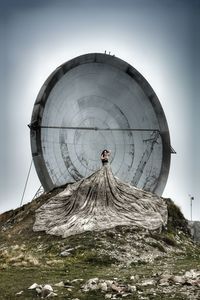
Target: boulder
point(46, 290)
point(33, 286)
point(178, 279)
point(60, 284)
point(19, 293)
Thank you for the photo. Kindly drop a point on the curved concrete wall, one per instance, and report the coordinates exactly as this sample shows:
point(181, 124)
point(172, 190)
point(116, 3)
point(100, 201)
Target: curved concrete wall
point(99, 90)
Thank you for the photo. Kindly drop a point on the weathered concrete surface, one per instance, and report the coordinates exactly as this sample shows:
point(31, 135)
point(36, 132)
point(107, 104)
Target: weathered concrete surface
point(100, 91)
point(99, 202)
point(194, 227)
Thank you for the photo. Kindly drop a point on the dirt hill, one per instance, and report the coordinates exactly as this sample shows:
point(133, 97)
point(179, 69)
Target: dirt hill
point(122, 262)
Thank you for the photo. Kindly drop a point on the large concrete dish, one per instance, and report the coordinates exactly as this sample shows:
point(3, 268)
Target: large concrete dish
point(105, 92)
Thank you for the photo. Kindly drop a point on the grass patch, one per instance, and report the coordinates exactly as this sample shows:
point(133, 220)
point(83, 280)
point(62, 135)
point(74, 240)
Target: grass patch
point(169, 241)
point(138, 263)
point(176, 220)
point(86, 265)
point(157, 245)
point(103, 260)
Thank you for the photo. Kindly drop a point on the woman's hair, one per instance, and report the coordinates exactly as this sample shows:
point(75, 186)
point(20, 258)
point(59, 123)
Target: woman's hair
point(104, 151)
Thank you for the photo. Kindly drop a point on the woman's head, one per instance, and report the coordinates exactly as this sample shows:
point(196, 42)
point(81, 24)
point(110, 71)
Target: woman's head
point(104, 151)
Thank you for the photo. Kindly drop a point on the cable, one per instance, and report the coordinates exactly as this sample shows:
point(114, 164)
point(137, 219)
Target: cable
point(26, 183)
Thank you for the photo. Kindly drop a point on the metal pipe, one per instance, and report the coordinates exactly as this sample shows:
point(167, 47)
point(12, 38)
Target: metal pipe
point(99, 129)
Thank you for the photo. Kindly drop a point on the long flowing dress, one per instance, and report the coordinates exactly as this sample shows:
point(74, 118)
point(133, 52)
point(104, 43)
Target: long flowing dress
point(99, 202)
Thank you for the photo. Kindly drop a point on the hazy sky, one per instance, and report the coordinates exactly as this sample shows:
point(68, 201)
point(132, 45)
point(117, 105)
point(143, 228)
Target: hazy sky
point(160, 38)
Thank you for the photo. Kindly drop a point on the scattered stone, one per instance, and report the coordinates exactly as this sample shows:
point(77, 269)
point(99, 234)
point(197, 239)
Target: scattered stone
point(116, 288)
point(193, 282)
point(14, 259)
point(164, 280)
point(148, 282)
point(163, 283)
point(77, 280)
point(65, 253)
point(103, 286)
point(33, 286)
point(60, 284)
point(46, 290)
point(131, 288)
point(126, 295)
point(192, 274)
point(19, 293)
point(178, 279)
point(108, 296)
point(68, 251)
point(32, 260)
point(134, 277)
point(67, 283)
point(109, 283)
point(51, 294)
point(48, 287)
point(15, 247)
point(38, 290)
point(191, 277)
point(68, 286)
point(91, 284)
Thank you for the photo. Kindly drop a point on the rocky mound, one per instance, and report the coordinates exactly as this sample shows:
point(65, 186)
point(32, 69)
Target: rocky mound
point(21, 220)
point(124, 262)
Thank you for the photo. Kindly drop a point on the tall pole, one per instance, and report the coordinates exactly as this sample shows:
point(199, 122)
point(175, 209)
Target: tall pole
point(191, 199)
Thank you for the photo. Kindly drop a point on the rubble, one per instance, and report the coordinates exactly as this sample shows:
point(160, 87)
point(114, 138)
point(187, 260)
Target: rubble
point(19, 293)
point(125, 262)
point(165, 283)
point(34, 286)
point(45, 291)
point(69, 251)
point(110, 287)
point(191, 277)
point(59, 284)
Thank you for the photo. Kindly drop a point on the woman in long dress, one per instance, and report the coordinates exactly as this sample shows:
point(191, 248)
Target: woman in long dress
point(105, 156)
point(99, 202)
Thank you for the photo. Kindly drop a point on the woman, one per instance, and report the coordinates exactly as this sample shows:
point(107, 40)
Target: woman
point(99, 202)
point(105, 156)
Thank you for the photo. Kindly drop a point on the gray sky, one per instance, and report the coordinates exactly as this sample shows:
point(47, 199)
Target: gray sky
point(159, 38)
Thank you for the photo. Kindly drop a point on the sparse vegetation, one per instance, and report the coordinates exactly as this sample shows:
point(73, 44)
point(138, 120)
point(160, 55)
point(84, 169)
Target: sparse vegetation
point(27, 257)
point(176, 220)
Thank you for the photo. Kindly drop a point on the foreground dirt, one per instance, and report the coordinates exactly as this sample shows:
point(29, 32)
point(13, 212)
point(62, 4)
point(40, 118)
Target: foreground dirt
point(122, 262)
